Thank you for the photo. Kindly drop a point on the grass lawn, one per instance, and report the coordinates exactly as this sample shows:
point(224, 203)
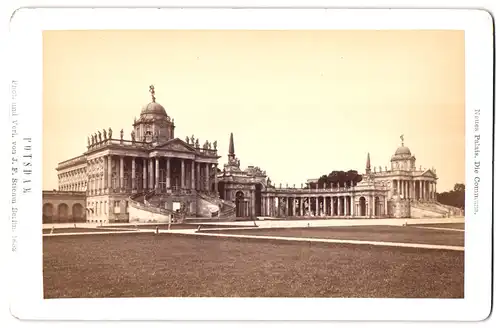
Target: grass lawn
point(163, 226)
point(372, 233)
point(443, 225)
point(179, 266)
point(69, 230)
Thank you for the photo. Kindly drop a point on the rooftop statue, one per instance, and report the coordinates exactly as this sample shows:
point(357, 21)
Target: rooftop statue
point(110, 133)
point(88, 141)
point(100, 136)
point(187, 140)
point(215, 144)
point(121, 134)
point(132, 134)
point(104, 133)
point(192, 139)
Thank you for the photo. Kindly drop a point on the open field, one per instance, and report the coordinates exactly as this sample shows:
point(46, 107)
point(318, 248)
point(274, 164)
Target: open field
point(169, 265)
point(397, 234)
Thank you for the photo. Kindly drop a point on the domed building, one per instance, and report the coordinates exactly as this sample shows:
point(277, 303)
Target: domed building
point(148, 176)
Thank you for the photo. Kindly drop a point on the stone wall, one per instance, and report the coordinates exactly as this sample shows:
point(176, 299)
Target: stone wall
point(141, 215)
point(399, 208)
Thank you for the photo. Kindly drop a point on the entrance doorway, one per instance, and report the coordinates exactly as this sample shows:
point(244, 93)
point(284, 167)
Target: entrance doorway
point(240, 204)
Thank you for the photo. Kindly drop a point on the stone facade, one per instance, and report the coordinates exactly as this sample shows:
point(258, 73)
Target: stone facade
point(114, 169)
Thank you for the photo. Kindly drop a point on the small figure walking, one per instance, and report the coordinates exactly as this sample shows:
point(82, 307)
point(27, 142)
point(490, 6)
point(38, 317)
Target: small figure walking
point(52, 230)
point(157, 230)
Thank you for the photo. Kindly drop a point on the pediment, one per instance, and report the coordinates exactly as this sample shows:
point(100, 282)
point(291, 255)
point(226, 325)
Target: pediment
point(176, 145)
point(428, 174)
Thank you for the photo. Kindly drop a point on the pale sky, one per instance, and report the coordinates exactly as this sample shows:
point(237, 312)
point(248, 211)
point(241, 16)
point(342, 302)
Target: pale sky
point(300, 103)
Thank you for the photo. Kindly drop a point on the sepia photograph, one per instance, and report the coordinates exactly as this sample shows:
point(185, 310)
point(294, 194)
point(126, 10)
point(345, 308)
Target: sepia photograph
point(253, 163)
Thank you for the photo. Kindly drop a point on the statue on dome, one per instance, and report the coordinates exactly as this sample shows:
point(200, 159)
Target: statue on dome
point(215, 144)
point(100, 136)
point(110, 133)
point(104, 133)
point(121, 134)
point(132, 135)
point(152, 91)
point(402, 137)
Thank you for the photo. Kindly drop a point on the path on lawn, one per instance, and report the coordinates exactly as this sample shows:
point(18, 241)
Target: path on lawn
point(278, 224)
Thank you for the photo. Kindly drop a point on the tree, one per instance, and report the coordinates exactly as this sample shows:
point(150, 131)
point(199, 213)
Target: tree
point(459, 187)
point(455, 197)
point(338, 178)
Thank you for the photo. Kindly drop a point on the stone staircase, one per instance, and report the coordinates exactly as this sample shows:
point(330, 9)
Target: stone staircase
point(433, 209)
point(148, 208)
point(226, 209)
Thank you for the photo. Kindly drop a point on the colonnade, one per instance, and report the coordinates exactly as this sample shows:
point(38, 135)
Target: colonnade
point(424, 190)
point(323, 206)
point(130, 174)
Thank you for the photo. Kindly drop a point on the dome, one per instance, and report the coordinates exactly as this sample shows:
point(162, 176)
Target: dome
point(402, 150)
point(153, 108)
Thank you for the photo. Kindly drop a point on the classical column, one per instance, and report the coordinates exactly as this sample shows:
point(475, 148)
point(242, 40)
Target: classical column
point(109, 171)
point(352, 206)
point(207, 177)
point(420, 190)
point(331, 206)
point(293, 207)
point(121, 173)
point(168, 172)
point(193, 185)
point(338, 206)
point(301, 204)
point(150, 185)
point(183, 175)
point(316, 213)
point(144, 175)
point(105, 175)
point(374, 206)
point(133, 173)
point(216, 180)
point(345, 205)
point(198, 176)
point(412, 189)
point(157, 173)
point(268, 204)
